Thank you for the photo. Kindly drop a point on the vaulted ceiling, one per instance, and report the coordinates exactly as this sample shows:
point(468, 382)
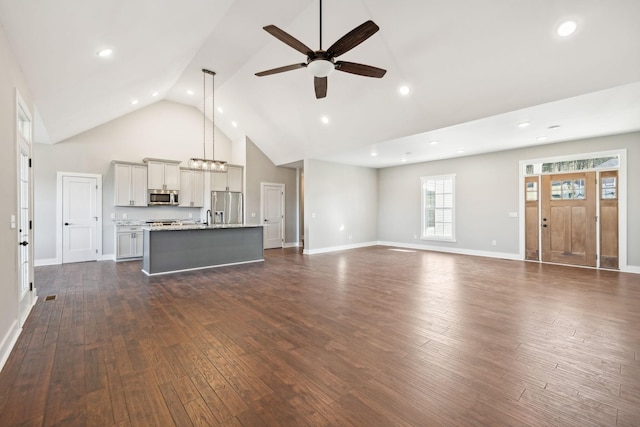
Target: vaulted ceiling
point(475, 69)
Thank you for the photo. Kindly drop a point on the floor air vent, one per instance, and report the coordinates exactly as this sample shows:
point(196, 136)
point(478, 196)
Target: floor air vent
point(50, 297)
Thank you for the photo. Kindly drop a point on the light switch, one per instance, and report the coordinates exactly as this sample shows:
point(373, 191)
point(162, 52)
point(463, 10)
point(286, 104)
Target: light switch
point(124, 216)
point(113, 216)
point(253, 214)
point(13, 221)
point(513, 214)
point(313, 215)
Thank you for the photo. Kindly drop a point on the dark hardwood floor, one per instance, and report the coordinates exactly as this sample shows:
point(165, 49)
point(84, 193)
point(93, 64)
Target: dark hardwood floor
point(366, 337)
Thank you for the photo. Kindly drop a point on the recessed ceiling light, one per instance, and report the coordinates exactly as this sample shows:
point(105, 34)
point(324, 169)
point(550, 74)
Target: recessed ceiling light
point(154, 94)
point(374, 154)
point(460, 151)
point(541, 138)
point(524, 124)
point(220, 110)
point(325, 120)
point(567, 28)
point(403, 160)
point(134, 101)
point(103, 53)
point(189, 92)
point(553, 127)
point(234, 124)
point(404, 90)
point(434, 142)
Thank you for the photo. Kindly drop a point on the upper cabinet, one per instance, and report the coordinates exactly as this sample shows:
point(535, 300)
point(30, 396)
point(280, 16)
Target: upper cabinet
point(130, 187)
point(231, 180)
point(163, 174)
point(191, 188)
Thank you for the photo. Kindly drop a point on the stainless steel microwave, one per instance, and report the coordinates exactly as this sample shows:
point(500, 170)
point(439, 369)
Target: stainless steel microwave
point(163, 197)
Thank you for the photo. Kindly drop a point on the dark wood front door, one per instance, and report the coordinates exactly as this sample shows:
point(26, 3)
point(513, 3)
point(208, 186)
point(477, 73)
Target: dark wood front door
point(569, 218)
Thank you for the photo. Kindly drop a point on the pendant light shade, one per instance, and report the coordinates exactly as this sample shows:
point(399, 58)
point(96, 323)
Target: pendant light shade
point(204, 164)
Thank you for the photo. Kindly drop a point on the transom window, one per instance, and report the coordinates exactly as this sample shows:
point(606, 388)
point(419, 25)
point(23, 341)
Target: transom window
point(438, 210)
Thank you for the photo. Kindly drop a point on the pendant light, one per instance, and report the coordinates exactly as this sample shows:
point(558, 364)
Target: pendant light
point(204, 164)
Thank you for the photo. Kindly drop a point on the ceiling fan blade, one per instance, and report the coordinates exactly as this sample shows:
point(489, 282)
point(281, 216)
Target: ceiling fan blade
point(320, 84)
point(280, 69)
point(353, 38)
point(288, 39)
point(360, 69)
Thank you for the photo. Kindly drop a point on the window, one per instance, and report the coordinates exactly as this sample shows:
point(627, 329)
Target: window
point(438, 212)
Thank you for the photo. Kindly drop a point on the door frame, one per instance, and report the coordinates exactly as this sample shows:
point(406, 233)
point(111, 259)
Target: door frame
point(622, 201)
point(282, 206)
point(59, 225)
point(26, 302)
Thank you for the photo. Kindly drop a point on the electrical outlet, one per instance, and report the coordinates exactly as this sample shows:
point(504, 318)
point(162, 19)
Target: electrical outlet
point(113, 215)
point(190, 215)
point(253, 214)
point(350, 237)
point(124, 216)
point(415, 237)
point(493, 243)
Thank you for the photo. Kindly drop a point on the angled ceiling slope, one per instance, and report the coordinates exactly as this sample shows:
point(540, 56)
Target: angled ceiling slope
point(464, 63)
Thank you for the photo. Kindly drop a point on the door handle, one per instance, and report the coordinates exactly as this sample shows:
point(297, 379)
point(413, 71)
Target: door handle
point(66, 223)
point(23, 243)
point(544, 225)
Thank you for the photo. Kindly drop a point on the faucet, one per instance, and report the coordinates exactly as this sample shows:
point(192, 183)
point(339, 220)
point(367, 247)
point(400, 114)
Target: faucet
point(208, 216)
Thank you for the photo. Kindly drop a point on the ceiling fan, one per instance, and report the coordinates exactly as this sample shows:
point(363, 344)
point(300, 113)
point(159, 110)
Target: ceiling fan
point(322, 62)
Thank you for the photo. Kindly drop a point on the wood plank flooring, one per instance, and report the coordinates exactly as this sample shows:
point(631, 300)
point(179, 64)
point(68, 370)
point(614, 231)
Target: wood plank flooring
point(366, 337)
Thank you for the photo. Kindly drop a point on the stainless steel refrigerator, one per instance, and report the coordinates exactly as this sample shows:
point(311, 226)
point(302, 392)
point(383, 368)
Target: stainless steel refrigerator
point(226, 207)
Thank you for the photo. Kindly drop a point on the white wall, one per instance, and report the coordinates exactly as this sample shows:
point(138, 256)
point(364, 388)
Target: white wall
point(10, 78)
point(487, 189)
point(339, 201)
point(164, 130)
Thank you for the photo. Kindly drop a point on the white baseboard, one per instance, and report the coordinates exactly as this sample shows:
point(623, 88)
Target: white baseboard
point(55, 261)
point(630, 269)
point(338, 248)
point(47, 261)
point(460, 251)
point(9, 340)
point(292, 245)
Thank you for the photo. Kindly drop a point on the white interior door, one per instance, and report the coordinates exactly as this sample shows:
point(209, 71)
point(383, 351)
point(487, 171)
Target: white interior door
point(273, 215)
point(26, 292)
point(79, 218)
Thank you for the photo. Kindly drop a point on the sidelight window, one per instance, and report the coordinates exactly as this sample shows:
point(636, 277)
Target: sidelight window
point(438, 213)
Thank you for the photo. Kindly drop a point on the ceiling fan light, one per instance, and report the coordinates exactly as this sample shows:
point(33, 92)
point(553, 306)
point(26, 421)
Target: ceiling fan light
point(320, 67)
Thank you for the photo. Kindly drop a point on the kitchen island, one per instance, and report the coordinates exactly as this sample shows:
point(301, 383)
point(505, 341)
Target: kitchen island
point(192, 247)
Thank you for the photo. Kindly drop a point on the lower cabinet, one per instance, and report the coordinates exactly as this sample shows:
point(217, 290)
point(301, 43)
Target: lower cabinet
point(129, 243)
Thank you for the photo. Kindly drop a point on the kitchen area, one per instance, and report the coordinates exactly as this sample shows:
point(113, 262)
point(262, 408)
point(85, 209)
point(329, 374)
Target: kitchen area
point(183, 218)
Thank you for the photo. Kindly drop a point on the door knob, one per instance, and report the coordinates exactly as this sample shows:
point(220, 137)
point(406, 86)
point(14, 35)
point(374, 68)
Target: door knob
point(544, 225)
point(66, 223)
point(23, 243)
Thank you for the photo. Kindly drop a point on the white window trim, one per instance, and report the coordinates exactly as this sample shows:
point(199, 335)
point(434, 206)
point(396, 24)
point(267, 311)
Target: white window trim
point(423, 181)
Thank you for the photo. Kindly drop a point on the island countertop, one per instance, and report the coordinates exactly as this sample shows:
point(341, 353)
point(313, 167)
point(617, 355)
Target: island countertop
point(198, 227)
point(171, 249)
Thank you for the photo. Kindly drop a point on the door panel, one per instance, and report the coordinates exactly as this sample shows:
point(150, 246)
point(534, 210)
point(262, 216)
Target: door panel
point(608, 193)
point(79, 218)
point(273, 211)
point(532, 218)
point(26, 295)
point(568, 218)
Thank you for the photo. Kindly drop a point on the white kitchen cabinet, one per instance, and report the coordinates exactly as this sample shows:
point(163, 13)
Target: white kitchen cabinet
point(129, 242)
point(231, 180)
point(191, 188)
point(130, 187)
point(163, 174)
